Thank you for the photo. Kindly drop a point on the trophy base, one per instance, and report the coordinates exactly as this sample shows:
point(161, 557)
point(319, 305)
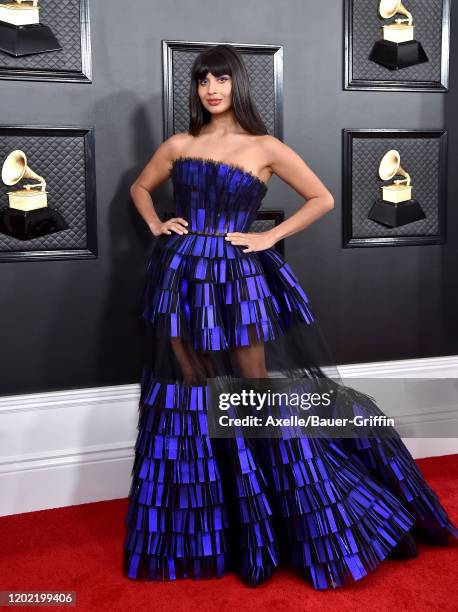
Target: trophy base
point(25, 225)
point(27, 39)
point(398, 55)
point(395, 215)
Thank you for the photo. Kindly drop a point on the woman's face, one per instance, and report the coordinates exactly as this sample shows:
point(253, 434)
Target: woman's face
point(215, 92)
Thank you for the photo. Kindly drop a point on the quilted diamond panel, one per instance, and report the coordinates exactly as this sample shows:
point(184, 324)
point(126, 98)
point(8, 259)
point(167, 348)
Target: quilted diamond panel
point(262, 225)
point(366, 30)
point(261, 72)
point(420, 157)
point(60, 160)
point(63, 17)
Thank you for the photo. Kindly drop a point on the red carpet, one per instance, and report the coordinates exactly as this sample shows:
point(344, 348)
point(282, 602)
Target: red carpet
point(79, 548)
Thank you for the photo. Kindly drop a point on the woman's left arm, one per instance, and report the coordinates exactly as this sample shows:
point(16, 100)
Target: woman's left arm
point(292, 169)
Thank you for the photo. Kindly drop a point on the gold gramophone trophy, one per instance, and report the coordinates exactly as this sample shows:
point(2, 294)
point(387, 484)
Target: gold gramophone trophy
point(28, 214)
point(396, 207)
point(21, 32)
point(397, 48)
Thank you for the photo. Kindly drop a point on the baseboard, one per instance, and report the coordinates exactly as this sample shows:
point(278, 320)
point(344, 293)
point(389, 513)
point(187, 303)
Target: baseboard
point(65, 448)
point(425, 367)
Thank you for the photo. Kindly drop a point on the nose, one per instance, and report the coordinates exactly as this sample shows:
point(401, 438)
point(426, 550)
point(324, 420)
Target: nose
point(213, 86)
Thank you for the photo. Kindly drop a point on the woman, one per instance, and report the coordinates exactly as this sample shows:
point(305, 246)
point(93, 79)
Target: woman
point(222, 305)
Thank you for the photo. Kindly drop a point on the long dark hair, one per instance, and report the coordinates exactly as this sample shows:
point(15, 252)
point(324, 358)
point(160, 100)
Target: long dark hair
point(219, 60)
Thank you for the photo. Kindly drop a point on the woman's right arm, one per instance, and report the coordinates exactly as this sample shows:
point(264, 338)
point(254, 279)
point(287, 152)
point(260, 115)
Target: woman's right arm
point(156, 172)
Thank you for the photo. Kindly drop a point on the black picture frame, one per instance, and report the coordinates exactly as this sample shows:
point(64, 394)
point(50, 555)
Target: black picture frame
point(90, 249)
point(348, 238)
point(440, 85)
point(170, 47)
point(272, 217)
point(83, 75)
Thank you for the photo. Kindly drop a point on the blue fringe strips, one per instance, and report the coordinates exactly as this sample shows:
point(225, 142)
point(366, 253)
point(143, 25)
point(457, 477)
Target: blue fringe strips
point(339, 521)
point(219, 298)
point(200, 506)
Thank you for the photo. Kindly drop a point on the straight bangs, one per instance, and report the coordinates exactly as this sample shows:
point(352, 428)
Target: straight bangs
point(219, 60)
point(215, 63)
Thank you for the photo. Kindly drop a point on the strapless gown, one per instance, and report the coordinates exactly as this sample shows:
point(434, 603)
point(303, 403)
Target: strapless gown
point(200, 506)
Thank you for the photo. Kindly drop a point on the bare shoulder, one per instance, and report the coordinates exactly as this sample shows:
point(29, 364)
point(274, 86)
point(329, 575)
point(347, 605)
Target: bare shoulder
point(291, 168)
point(277, 151)
point(158, 168)
point(173, 146)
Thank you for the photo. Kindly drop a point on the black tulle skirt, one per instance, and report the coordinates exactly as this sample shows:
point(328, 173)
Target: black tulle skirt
point(206, 500)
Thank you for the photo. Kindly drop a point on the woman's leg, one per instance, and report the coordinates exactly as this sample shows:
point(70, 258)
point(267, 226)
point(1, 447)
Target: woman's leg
point(194, 366)
point(251, 359)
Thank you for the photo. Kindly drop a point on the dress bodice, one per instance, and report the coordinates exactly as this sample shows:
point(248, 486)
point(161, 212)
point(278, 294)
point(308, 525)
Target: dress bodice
point(215, 197)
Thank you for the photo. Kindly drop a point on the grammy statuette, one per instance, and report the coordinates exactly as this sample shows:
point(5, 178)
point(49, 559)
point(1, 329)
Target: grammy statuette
point(21, 32)
point(396, 207)
point(28, 214)
point(397, 48)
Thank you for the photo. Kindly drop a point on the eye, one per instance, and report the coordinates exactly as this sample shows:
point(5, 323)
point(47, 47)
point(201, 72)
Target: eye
point(221, 78)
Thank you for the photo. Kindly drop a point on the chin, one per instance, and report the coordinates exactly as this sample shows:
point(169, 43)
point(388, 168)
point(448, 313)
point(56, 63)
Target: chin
point(216, 109)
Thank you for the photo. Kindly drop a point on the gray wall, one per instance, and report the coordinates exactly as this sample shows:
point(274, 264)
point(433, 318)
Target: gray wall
point(70, 324)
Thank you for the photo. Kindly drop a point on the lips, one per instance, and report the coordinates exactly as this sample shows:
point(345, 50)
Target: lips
point(214, 101)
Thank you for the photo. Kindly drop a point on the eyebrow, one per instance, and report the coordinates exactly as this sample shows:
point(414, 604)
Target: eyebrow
point(218, 77)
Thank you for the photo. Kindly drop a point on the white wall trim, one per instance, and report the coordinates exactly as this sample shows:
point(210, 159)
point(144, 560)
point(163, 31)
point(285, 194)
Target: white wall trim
point(68, 399)
point(426, 367)
point(76, 446)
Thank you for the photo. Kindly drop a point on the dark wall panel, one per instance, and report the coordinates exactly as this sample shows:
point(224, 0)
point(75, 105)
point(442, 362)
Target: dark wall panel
point(70, 324)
